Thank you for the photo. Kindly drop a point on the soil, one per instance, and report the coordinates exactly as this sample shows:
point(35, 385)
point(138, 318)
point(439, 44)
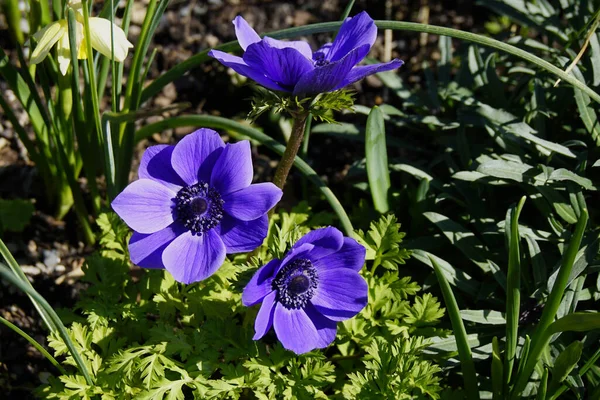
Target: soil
point(50, 251)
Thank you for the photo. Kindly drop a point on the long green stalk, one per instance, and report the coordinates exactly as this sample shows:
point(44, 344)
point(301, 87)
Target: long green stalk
point(62, 331)
point(124, 141)
point(460, 333)
point(224, 123)
point(92, 87)
point(88, 157)
point(291, 150)
point(540, 337)
point(192, 62)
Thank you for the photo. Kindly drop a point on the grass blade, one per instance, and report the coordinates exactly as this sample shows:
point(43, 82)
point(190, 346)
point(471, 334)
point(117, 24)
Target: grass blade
point(541, 394)
point(541, 336)
point(497, 371)
point(62, 331)
point(16, 269)
point(35, 344)
point(462, 342)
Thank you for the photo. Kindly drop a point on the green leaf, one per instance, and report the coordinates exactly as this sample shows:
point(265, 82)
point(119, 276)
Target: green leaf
point(497, 370)
point(564, 364)
point(586, 110)
point(114, 233)
point(513, 287)
point(476, 66)
point(542, 389)
point(562, 174)
point(462, 238)
point(455, 277)
point(15, 214)
point(394, 371)
point(576, 322)
point(448, 344)
point(165, 389)
point(425, 311)
point(508, 124)
point(518, 172)
point(382, 242)
point(538, 264)
point(487, 317)
point(377, 165)
point(75, 386)
point(558, 202)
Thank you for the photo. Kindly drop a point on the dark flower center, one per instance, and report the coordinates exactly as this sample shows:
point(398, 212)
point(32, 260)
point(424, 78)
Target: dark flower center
point(296, 284)
point(319, 59)
point(198, 207)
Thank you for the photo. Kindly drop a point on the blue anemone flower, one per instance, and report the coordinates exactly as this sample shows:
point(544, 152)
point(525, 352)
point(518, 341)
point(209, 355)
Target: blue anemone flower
point(291, 66)
point(304, 295)
point(193, 203)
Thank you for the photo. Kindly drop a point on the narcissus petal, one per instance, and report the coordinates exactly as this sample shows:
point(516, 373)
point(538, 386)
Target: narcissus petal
point(46, 38)
point(100, 37)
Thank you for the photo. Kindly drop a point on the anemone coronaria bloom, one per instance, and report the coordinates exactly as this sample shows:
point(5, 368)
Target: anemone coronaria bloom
point(194, 203)
point(304, 295)
point(291, 66)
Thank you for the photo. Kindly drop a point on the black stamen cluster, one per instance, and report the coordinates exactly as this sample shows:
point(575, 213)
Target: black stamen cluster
point(199, 207)
point(296, 284)
point(320, 60)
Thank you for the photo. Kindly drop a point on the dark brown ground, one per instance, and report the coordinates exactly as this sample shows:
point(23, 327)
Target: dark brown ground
point(51, 252)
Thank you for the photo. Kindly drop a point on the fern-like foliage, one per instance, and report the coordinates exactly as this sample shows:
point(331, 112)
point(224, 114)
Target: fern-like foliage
point(383, 243)
point(145, 336)
point(395, 371)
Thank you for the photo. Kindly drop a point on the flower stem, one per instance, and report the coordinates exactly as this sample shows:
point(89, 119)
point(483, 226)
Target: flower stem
point(287, 159)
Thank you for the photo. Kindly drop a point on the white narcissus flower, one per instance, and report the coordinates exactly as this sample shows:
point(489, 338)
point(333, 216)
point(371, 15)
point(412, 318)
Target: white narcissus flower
point(100, 38)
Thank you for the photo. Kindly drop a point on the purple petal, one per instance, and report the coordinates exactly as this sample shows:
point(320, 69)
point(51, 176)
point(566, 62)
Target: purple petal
point(264, 318)
point(191, 258)
point(326, 328)
point(240, 66)
point(156, 165)
point(146, 250)
point(356, 32)
point(209, 164)
point(358, 73)
point(282, 65)
point(240, 236)
point(260, 284)
point(147, 156)
point(329, 76)
point(192, 150)
point(252, 202)
point(326, 241)
point(341, 294)
point(301, 46)
point(244, 33)
point(145, 206)
point(351, 255)
point(233, 170)
point(300, 333)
